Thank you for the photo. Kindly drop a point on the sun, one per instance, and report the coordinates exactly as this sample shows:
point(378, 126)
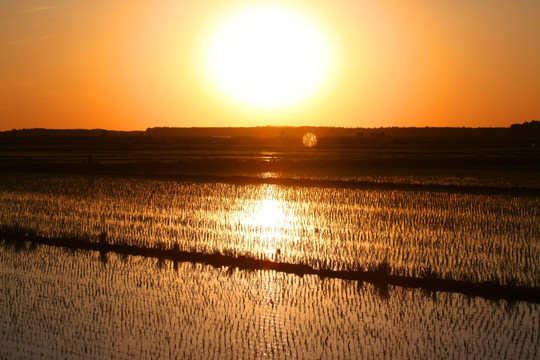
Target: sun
point(268, 56)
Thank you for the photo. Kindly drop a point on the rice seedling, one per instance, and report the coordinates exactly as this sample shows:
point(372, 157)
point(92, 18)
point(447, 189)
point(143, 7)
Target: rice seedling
point(66, 305)
point(470, 237)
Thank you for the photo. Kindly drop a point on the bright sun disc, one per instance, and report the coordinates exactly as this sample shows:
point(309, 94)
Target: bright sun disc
point(268, 56)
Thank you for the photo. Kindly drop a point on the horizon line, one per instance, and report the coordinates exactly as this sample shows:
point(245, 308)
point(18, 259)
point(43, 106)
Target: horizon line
point(271, 126)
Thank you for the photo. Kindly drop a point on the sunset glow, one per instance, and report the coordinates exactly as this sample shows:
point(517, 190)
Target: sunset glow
point(255, 63)
point(269, 179)
point(267, 56)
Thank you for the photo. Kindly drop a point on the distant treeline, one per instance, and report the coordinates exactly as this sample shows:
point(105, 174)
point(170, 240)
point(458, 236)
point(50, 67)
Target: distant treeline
point(527, 129)
point(271, 138)
point(41, 132)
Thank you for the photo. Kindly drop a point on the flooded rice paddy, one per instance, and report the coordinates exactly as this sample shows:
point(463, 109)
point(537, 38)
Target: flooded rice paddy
point(471, 237)
point(57, 303)
point(60, 304)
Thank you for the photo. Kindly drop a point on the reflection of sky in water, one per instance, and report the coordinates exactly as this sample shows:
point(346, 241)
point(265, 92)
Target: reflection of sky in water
point(60, 304)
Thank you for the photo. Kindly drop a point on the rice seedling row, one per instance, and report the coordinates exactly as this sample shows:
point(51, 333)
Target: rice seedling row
point(466, 237)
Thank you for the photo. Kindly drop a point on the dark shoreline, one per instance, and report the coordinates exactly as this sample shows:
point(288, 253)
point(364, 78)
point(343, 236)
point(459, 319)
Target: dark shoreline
point(380, 277)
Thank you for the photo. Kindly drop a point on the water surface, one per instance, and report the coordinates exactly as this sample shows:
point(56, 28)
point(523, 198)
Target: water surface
point(59, 304)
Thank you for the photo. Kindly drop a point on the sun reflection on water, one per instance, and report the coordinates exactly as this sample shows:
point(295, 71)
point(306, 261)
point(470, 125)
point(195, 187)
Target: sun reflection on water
point(269, 218)
point(268, 215)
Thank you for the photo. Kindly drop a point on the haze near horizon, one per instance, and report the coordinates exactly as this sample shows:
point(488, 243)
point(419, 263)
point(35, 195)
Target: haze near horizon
point(190, 64)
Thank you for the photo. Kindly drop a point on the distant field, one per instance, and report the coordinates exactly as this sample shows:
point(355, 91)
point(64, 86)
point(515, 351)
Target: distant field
point(470, 159)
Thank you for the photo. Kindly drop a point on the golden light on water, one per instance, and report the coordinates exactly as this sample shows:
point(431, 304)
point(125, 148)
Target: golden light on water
point(268, 56)
point(268, 214)
point(309, 140)
point(269, 219)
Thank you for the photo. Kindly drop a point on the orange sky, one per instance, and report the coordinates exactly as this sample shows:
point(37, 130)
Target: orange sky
point(132, 65)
